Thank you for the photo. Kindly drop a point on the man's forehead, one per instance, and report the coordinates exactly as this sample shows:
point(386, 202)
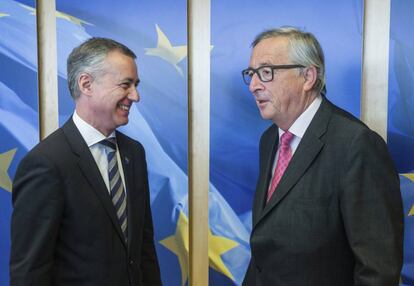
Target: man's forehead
point(269, 52)
point(274, 46)
point(120, 63)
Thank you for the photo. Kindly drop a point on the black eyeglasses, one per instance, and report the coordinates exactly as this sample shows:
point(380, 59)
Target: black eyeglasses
point(265, 73)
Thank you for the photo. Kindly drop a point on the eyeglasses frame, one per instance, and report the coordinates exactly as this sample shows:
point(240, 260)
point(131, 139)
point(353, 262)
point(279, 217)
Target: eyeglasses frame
point(273, 67)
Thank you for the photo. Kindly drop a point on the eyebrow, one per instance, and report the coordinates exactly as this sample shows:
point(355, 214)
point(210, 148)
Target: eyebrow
point(261, 64)
point(130, 80)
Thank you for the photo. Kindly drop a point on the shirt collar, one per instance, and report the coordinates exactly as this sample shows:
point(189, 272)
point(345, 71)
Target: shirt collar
point(300, 125)
point(89, 133)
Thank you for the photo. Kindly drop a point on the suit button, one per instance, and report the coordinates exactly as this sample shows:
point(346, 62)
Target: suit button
point(131, 261)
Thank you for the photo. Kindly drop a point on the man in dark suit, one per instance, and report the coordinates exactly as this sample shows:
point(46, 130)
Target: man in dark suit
point(327, 209)
point(81, 199)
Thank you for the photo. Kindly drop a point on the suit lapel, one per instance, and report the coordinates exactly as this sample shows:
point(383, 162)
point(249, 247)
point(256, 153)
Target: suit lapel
point(92, 174)
point(308, 149)
point(267, 157)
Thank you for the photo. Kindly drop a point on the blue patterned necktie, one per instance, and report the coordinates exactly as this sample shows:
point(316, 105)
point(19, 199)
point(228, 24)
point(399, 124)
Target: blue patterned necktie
point(115, 184)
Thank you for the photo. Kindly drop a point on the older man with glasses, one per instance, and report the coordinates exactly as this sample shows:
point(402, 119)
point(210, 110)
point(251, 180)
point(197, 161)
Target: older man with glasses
point(327, 208)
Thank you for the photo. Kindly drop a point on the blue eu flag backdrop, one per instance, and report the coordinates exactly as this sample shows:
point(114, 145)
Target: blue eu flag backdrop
point(18, 108)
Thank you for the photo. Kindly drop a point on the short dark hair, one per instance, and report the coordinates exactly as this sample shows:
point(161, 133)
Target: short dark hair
point(89, 57)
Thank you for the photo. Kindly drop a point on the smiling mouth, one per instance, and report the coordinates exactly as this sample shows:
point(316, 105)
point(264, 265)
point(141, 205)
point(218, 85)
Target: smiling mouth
point(124, 107)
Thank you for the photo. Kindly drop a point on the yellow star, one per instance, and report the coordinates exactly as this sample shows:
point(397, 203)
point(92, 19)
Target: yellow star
point(178, 244)
point(411, 211)
point(31, 9)
point(5, 160)
point(167, 52)
point(61, 15)
point(72, 19)
point(3, 15)
point(218, 245)
point(410, 176)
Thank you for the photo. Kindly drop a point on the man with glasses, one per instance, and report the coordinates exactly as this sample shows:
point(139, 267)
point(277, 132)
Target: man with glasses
point(327, 208)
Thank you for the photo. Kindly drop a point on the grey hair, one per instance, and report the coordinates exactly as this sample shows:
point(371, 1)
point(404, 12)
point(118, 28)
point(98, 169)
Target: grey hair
point(304, 50)
point(89, 57)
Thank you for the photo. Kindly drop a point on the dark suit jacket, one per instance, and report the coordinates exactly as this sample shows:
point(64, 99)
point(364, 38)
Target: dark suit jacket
point(64, 228)
point(336, 216)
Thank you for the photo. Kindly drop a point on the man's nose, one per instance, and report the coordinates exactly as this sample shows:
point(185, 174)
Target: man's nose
point(255, 83)
point(134, 95)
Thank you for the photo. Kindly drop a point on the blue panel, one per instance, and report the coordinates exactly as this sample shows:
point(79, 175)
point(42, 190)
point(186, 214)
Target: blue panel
point(401, 118)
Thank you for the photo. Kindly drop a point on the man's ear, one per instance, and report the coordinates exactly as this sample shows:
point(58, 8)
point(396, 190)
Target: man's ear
point(310, 74)
point(85, 83)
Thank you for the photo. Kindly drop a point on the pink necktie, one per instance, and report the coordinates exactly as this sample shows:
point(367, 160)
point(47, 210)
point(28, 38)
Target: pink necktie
point(285, 154)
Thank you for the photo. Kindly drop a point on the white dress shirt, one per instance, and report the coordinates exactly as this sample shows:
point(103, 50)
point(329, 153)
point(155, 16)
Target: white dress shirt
point(299, 128)
point(92, 138)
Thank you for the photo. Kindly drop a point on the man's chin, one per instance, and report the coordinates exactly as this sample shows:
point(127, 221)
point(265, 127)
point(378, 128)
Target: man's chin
point(122, 122)
point(265, 115)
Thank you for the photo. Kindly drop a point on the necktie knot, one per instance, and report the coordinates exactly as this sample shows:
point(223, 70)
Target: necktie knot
point(109, 142)
point(285, 139)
